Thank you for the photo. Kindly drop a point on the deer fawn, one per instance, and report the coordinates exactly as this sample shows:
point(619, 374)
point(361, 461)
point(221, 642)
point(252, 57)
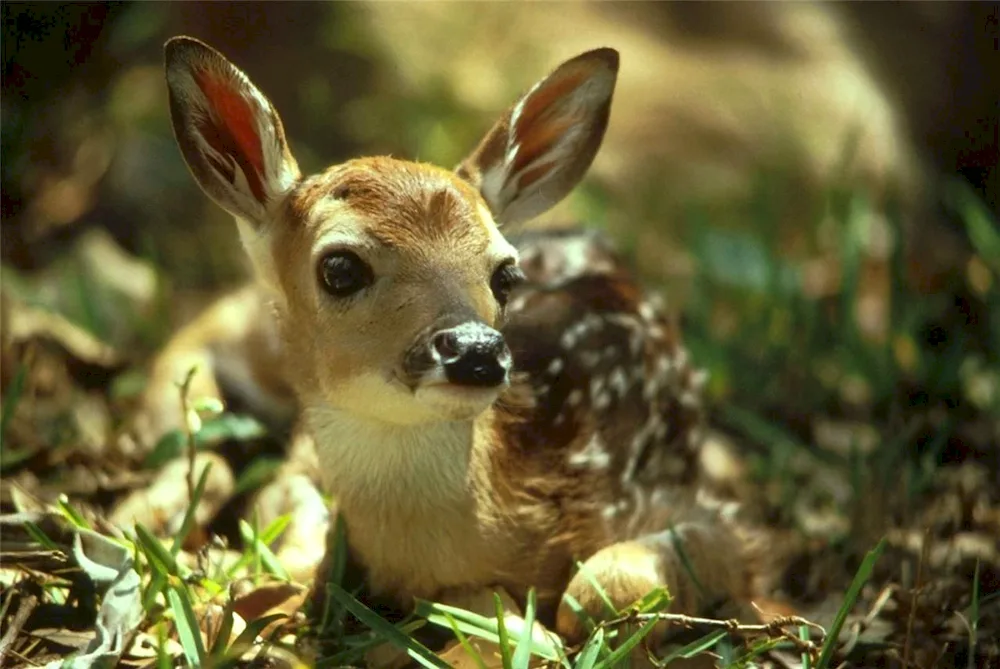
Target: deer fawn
point(485, 412)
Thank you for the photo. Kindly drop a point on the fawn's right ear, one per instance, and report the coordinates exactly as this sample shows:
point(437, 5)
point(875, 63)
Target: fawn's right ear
point(228, 131)
point(541, 148)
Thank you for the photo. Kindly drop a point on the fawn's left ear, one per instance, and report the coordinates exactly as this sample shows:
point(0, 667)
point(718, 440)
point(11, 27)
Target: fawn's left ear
point(228, 131)
point(541, 148)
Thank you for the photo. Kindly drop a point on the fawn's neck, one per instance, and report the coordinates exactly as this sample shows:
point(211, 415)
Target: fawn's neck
point(418, 501)
point(375, 464)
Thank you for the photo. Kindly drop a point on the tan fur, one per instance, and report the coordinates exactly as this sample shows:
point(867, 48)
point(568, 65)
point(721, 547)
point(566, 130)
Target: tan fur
point(233, 341)
point(587, 453)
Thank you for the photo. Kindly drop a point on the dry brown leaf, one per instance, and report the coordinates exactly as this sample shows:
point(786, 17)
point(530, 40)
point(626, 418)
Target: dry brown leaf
point(22, 323)
point(161, 506)
point(269, 599)
point(74, 639)
point(210, 624)
point(456, 656)
point(482, 602)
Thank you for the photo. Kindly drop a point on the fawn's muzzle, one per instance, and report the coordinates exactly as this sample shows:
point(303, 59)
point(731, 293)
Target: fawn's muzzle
point(472, 354)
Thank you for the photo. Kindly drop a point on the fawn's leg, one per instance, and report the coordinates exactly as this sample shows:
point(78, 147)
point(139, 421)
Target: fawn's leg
point(699, 562)
point(235, 347)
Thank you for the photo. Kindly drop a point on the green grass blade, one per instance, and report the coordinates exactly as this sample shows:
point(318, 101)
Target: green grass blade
point(188, 521)
point(4, 607)
point(483, 627)
point(728, 656)
point(386, 630)
point(277, 527)
point(860, 578)
point(983, 232)
point(187, 626)
point(272, 565)
point(163, 659)
point(246, 640)
point(71, 514)
point(579, 612)
point(464, 641)
point(695, 648)
point(254, 541)
point(36, 533)
point(621, 653)
point(255, 476)
point(259, 552)
point(157, 583)
point(157, 555)
point(974, 616)
point(601, 592)
point(332, 616)
point(11, 458)
point(251, 554)
point(354, 655)
point(806, 657)
point(218, 649)
point(502, 636)
point(678, 543)
point(522, 654)
point(591, 650)
point(654, 601)
point(89, 295)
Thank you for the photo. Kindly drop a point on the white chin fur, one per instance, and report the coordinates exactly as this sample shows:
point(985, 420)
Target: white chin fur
point(377, 398)
point(456, 402)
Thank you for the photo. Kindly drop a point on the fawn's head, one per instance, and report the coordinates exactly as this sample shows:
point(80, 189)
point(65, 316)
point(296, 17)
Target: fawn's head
point(390, 277)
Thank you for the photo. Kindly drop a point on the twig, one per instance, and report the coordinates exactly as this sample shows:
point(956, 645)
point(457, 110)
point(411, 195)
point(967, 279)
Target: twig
point(773, 628)
point(859, 627)
point(24, 609)
point(917, 586)
point(185, 389)
point(879, 604)
point(23, 658)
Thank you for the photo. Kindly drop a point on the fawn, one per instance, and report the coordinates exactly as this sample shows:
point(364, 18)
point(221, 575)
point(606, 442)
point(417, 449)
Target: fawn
point(485, 412)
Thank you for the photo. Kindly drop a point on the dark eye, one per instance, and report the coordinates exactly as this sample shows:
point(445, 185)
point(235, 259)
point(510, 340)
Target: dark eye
point(343, 273)
point(505, 279)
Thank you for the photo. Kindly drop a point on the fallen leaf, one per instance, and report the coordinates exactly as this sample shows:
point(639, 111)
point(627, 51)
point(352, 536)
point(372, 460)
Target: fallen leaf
point(270, 598)
point(161, 506)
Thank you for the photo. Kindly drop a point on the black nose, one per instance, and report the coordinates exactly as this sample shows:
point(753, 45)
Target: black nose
point(472, 354)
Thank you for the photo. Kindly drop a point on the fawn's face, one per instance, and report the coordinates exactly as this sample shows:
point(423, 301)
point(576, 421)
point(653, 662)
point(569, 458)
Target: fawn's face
point(395, 279)
point(390, 276)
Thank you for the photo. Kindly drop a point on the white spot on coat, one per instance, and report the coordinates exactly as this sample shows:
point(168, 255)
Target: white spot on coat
point(554, 367)
point(592, 456)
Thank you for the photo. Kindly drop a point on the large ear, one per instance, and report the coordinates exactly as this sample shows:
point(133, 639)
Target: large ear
point(541, 148)
point(230, 134)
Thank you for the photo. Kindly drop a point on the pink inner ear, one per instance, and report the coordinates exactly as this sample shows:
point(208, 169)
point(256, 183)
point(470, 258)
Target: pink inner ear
point(235, 131)
point(549, 97)
point(542, 121)
point(538, 139)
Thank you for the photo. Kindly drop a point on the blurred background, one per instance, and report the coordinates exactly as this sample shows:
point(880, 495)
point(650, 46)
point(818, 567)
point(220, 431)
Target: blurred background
point(814, 185)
